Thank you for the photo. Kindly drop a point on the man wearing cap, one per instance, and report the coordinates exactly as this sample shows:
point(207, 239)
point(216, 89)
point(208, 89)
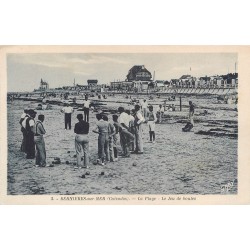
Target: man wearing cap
point(67, 110)
point(28, 124)
point(39, 141)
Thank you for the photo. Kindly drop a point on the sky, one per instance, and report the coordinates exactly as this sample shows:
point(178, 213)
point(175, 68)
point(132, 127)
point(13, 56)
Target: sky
point(24, 71)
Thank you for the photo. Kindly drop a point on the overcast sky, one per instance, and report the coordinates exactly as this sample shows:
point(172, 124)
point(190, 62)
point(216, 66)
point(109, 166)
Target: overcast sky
point(24, 71)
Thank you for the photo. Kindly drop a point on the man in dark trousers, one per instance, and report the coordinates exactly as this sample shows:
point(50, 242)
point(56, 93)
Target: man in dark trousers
point(86, 104)
point(67, 110)
point(29, 124)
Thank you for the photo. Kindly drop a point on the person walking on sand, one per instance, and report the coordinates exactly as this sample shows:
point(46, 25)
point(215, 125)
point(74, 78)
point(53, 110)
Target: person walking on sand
point(39, 142)
point(111, 133)
point(67, 110)
point(24, 141)
point(151, 120)
point(29, 124)
point(86, 106)
point(191, 113)
point(160, 112)
point(138, 130)
point(82, 142)
point(102, 129)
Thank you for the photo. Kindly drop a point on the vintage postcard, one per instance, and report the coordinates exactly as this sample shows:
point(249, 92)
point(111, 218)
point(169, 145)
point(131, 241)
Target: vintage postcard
point(125, 125)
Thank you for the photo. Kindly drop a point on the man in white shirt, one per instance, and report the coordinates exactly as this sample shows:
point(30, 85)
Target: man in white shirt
point(86, 105)
point(151, 120)
point(144, 107)
point(67, 110)
point(125, 135)
point(138, 130)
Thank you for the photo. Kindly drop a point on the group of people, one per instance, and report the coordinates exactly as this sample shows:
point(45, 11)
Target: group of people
point(126, 126)
point(33, 132)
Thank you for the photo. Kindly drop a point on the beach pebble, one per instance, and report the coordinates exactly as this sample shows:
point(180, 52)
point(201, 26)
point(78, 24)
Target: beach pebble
point(57, 159)
point(118, 188)
point(83, 176)
point(51, 165)
point(134, 163)
point(87, 173)
point(102, 173)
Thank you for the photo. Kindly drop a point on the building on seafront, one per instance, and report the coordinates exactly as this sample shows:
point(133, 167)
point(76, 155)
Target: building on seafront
point(137, 80)
point(43, 85)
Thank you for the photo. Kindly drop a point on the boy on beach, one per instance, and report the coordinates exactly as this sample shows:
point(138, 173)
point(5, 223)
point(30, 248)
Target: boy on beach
point(151, 120)
point(39, 141)
point(103, 139)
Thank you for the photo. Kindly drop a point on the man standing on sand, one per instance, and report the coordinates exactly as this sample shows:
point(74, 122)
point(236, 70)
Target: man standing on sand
point(23, 116)
point(144, 107)
point(191, 113)
point(103, 139)
point(160, 112)
point(86, 106)
point(111, 133)
point(67, 110)
point(151, 119)
point(29, 124)
point(82, 142)
point(138, 130)
point(124, 132)
point(39, 141)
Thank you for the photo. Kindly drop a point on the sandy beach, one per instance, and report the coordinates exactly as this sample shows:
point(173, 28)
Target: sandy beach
point(178, 163)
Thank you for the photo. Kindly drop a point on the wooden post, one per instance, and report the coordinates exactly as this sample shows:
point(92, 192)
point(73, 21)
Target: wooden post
point(180, 104)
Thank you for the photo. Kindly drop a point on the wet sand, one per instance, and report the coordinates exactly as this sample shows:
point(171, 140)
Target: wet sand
point(178, 163)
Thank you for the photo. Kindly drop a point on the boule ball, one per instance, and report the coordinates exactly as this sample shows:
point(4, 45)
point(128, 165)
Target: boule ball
point(87, 173)
point(74, 163)
point(67, 162)
point(102, 173)
point(95, 163)
point(83, 176)
point(134, 163)
point(74, 156)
